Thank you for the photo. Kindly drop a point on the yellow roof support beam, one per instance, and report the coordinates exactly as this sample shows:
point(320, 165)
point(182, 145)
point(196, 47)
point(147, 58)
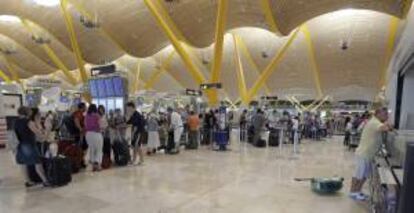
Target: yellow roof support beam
point(73, 40)
point(4, 77)
point(270, 19)
point(264, 76)
point(296, 101)
point(51, 54)
point(194, 71)
point(218, 49)
point(157, 73)
point(294, 104)
point(250, 60)
point(406, 7)
point(320, 103)
point(392, 36)
point(10, 67)
point(241, 82)
point(311, 54)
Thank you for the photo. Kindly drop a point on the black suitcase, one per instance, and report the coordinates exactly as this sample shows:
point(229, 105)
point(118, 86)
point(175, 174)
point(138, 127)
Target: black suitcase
point(58, 171)
point(260, 143)
point(121, 153)
point(274, 138)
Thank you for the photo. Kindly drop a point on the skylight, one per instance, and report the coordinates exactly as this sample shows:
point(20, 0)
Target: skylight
point(47, 3)
point(9, 18)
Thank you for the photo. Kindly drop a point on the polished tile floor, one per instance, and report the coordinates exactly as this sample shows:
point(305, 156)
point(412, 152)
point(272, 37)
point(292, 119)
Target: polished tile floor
point(245, 179)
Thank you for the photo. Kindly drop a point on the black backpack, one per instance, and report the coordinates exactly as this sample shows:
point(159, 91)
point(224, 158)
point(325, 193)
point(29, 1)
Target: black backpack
point(69, 123)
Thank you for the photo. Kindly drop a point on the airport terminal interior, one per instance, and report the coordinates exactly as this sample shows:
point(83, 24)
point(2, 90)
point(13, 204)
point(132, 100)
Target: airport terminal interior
point(165, 106)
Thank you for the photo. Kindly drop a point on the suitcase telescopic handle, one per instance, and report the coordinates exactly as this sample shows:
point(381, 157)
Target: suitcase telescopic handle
point(303, 179)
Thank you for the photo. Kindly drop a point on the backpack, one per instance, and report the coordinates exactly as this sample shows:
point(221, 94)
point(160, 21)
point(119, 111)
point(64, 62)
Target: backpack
point(69, 123)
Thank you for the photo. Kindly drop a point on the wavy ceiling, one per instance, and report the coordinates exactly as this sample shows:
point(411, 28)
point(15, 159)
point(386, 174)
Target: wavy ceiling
point(128, 30)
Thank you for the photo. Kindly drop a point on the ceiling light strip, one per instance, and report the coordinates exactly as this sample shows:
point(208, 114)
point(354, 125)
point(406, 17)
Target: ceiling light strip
point(52, 55)
point(241, 82)
point(4, 77)
point(270, 19)
point(164, 66)
point(311, 54)
point(73, 40)
point(218, 49)
point(270, 68)
point(194, 71)
point(245, 51)
point(389, 52)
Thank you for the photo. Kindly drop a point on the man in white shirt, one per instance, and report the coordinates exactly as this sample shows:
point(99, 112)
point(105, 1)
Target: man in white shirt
point(176, 124)
point(366, 151)
point(295, 130)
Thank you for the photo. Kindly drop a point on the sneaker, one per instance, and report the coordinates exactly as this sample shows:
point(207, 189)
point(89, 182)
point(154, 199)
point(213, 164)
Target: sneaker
point(47, 184)
point(140, 163)
point(357, 196)
point(29, 184)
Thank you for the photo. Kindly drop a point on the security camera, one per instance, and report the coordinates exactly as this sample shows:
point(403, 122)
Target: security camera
point(264, 54)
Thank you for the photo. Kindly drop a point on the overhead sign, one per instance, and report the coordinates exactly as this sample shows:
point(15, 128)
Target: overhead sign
point(270, 98)
point(211, 86)
point(192, 92)
point(103, 70)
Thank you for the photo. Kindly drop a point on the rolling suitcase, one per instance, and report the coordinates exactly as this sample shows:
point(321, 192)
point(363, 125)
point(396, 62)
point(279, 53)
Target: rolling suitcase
point(106, 158)
point(73, 152)
point(274, 138)
point(121, 153)
point(222, 140)
point(58, 171)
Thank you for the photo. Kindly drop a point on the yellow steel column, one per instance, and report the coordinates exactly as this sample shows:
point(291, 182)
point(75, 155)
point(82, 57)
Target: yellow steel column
point(218, 48)
point(4, 77)
point(52, 55)
point(73, 40)
point(248, 55)
point(240, 73)
point(196, 74)
point(157, 73)
point(270, 19)
point(392, 35)
point(311, 53)
point(137, 76)
point(270, 68)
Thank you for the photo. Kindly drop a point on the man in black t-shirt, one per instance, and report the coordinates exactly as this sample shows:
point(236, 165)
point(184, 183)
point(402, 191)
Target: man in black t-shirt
point(137, 121)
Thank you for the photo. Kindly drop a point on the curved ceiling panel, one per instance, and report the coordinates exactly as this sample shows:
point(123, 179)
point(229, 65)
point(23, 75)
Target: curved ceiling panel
point(290, 14)
point(20, 56)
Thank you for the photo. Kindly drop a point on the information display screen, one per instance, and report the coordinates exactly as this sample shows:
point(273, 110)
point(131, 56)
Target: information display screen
point(119, 86)
point(110, 91)
point(110, 104)
point(101, 88)
point(93, 88)
point(119, 104)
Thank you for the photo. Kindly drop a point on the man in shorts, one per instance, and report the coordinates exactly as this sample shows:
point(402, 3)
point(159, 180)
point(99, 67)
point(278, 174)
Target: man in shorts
point(368, 148)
